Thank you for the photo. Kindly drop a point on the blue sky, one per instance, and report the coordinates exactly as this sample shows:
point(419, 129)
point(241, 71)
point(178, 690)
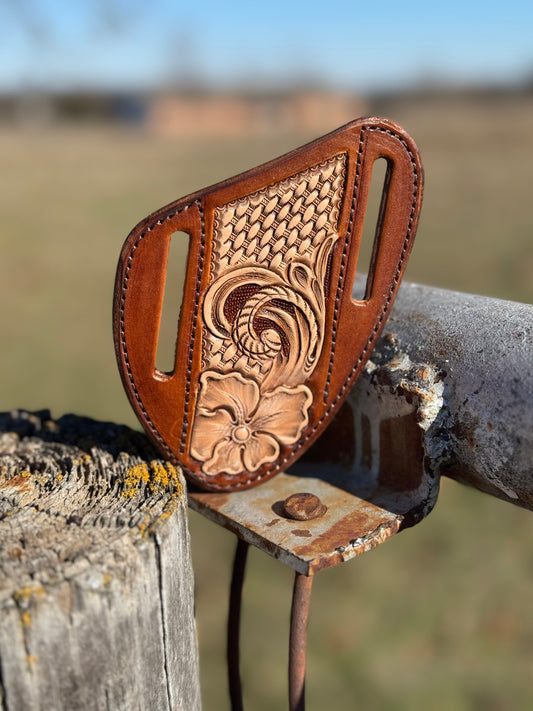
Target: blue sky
point(128, 43)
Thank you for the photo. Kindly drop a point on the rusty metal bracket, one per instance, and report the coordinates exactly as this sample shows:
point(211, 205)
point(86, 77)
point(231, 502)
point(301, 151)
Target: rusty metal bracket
point(301, 598)
point(234, 625)
point(356, 519)
point(309, 523)
point(311, 518)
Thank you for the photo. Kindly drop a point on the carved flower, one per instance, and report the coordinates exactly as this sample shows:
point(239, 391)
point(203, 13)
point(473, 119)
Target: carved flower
point(237, 428)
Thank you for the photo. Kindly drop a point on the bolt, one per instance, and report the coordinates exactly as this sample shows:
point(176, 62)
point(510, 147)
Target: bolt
point(303, 507)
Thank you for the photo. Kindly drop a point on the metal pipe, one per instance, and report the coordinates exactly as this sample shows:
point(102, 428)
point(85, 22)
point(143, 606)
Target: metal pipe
point(234, 623)
point(462, 363)
point(298, 640)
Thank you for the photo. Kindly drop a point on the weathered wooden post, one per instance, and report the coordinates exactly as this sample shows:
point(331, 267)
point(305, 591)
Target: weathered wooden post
point(96, 584)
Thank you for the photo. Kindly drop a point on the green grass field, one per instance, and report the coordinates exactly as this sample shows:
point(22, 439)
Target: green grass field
point(438, 618)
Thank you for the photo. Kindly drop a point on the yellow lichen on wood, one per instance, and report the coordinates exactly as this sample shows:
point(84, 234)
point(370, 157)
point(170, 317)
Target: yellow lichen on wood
point(26, 474)
point(23, 594)
point(163, 477)
point(156, 476)
point(22, 597)
point(134, 477)
point(144, 525)
point(169, 510)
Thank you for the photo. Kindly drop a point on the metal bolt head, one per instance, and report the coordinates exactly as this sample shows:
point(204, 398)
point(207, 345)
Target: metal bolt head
point(304, 506)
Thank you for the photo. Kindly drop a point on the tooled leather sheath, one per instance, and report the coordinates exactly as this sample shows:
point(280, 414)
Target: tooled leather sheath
point(270, 340)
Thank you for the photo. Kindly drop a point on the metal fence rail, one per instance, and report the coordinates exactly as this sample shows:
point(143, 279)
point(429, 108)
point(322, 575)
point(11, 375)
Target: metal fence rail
point(464, 363)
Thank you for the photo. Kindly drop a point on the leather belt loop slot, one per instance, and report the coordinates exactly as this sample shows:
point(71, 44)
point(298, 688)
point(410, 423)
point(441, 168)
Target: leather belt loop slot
point(376, 205)
point(174, 286)
point(389, 167)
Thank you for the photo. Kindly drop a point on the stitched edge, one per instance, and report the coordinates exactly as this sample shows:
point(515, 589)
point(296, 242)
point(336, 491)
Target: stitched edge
point(343, 262)
point(193, 335)
point(146, 416)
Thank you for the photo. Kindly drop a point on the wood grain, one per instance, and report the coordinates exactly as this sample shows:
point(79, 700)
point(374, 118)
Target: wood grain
point(96, 583)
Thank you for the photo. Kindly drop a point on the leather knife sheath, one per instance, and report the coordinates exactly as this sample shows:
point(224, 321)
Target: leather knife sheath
point(269, 340)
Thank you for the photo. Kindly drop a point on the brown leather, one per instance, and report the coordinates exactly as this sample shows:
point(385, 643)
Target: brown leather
point(270, 340)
